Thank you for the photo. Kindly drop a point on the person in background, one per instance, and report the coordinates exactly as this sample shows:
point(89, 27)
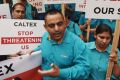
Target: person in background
point(30, 12)
point(52, 6)
point(99, 52)
point(61, 51)
point(18, 11)
point(112, 24)
point(58, 7)
point(84, 23)
point(72, 26)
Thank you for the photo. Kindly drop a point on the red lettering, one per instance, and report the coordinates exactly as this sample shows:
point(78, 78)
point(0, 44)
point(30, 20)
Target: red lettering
point(37, 4)
point(3, 16)
point(25, 33)
point(31, 0)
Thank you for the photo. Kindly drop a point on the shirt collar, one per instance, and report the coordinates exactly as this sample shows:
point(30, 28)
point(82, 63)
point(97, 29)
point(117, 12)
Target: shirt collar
point(64, 39)
point(93, 46)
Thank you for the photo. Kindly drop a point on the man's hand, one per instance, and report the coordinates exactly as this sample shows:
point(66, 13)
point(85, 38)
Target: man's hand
point(54, 72)
point(29, 52)
point(19, 53)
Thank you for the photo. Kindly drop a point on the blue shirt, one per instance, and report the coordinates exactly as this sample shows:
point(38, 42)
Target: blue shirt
point(98, 62)
point(74, 27)
point(28, 12)
point(66, 55)
point(31, 12)
point(75, 16)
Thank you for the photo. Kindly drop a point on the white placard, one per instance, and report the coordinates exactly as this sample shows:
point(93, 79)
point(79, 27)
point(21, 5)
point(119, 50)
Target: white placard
point(5, 11)
point(16, 35)
point(101, 9)
point(80, 5)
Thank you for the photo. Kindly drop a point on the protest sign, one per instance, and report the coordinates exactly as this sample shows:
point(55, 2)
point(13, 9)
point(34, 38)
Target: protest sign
point(20, 35)
point(16, 35)
point(102, 9)
point(5, 11)
point(39, 4)
point(24, 67)
point(80, 5)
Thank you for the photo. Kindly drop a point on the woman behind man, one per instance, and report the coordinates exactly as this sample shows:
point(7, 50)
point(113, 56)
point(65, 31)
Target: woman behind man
point(99, 52)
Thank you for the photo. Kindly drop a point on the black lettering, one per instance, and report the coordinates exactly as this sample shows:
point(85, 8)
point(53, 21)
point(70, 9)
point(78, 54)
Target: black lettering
point(118, 11)
point(20, 24)
point(104, 10)
point(1, 73)
point(25, 24)
point(97, 10)
point(35, 24)
point(15, 23)
point(9, 68)
point(111, 10)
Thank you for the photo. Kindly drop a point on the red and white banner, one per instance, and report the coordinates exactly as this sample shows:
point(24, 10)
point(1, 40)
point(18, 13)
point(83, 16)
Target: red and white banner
point(16, 35)
point(20, 35)
point(5, 11)
point(24, 67)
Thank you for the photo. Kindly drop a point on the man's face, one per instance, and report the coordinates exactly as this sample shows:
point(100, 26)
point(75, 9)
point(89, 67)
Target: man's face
point(55, 25)
point(18, 12)
point(103, 40)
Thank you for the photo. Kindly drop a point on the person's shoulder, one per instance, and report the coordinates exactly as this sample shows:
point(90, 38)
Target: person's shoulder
point(90, 45)
point(71, 35)
point(74, 38)
point(45, 35)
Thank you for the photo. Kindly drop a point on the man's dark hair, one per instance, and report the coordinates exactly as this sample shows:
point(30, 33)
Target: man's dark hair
point(52, 12)
point(17, 5)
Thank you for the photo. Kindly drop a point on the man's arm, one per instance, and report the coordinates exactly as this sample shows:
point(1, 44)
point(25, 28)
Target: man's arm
point(79, 69)
point(3, 57)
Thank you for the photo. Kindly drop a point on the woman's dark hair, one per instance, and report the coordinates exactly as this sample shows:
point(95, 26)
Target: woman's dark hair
point(103, 28)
